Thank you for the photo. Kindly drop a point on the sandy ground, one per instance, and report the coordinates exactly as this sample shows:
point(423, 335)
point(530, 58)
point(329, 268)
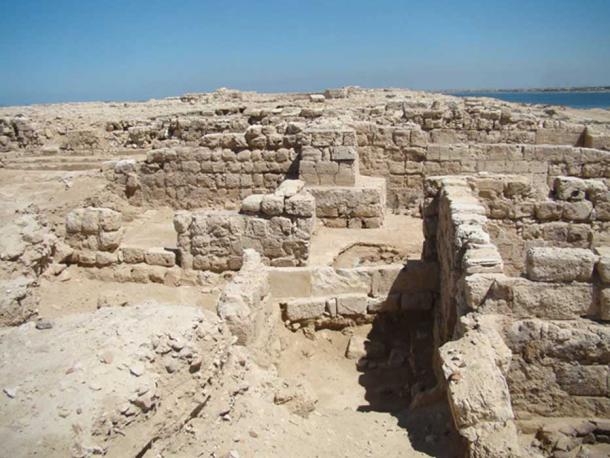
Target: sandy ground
point(78, 294)
point(399, 231)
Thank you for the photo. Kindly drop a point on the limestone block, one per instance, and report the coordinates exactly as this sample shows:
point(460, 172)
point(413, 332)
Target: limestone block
point(549, 211)
point(87, 258)
point(551, 300)
point(90, 221)
point(272, 205)
point(103, 259)
point(579, 380)
point(602, 211)
point(310, 155)
point(356, 347)
point(182, 221)
point(343, 153)
point(569, 188)
point(352, 304)
point(604, 304)
point(160, 257)
point(482, 259)
point(74, 221)
point(302, 205)
point(494, 439)
point(132, 255)
point(110, 220)
point(289, 188)
point(477, 286)
point(305, 308)
point(252, 203)
point(110, 241)
point(327, 281)
point(560, 264)
point(317, 98)
point(389, 303)
point(346, 176)
point(477, 390)
point(603, 264)
point(577, 211)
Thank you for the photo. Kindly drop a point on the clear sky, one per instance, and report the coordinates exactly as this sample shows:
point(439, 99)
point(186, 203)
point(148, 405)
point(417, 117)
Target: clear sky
point(72, 50)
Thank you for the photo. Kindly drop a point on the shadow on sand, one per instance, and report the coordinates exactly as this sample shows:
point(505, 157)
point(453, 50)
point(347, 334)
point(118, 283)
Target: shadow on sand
point(398, 365)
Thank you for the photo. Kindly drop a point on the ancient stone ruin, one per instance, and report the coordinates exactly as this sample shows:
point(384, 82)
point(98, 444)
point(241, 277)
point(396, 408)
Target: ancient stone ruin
point(453, 254)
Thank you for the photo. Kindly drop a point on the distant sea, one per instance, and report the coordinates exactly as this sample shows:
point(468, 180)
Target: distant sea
point(569, 99)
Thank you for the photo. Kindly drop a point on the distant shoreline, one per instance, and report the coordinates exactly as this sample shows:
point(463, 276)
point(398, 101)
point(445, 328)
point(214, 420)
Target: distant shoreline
point(584, 89)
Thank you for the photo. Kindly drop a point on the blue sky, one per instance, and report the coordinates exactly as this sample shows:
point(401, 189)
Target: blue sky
point(72, 50)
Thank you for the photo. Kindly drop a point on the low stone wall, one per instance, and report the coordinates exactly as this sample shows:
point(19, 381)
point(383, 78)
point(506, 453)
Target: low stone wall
point(328, 297)
point(278, 226)
point(190, 177)
point(94, 234)
point(360, 206)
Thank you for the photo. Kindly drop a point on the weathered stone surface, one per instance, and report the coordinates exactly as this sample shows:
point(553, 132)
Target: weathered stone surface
point(159, 257)
point(478, 393)
point(352, 304)
point(356, 348)
point(305, 308)
point(252, 204)
point(603, 264)
point(560, 264)
point(243, 297)
point(604, 304)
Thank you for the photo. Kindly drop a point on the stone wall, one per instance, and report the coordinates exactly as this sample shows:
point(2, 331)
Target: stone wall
point(535, 341)
point(563, 301)
point(406, 155)
point(456, 238)
point(328, 156)
point(94, 234)
point(472, 357)
point(278, 226)
point(329, 297)
point(359, 206)
point(574, 213)
point(195, 177)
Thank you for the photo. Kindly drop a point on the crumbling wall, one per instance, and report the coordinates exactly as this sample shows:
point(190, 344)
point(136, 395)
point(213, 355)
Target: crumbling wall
point(278, 226)
point(95, 235)
point(472, 358)
point(560, 364)
point(244, 302)
point(536, 340)
point(17, 132)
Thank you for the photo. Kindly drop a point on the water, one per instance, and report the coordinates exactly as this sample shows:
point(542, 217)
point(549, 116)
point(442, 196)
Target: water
point(569, 99)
